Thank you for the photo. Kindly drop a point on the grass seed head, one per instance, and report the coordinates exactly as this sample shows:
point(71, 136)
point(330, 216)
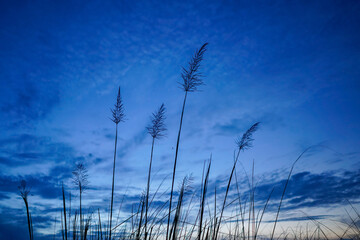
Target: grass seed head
point(157, 126)
point(191, 75)
point(245, 142)
point(118, 110)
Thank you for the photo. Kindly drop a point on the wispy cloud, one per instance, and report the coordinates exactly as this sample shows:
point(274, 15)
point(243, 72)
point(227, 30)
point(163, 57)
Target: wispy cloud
point(305, 189)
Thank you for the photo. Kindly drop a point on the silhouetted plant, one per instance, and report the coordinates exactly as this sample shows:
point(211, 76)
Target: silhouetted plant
point(156, 129)
point(157, 126)
point(100, 236)
point(117, 117)
point(243, 143)
point(24, 192)
point(142, 204)
point(64, 209)
point(283, 193)
point(191, 81)
point(203, 196)
point(185, 186)
point(118, 110)
point(191, 75)
point(87, 226)
point(80, 179)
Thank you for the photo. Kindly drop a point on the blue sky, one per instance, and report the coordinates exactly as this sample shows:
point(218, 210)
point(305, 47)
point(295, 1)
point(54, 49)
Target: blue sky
point(293, 66)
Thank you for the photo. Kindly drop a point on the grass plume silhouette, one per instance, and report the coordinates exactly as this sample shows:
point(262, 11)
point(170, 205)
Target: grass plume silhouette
point(156, 130)
point(191, 81)
point(117, 117)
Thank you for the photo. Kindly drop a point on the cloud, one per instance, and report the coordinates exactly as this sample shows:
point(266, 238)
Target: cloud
point(305, 218)
point(27, 101)
point(27, 149)
point(13, 231)
point(13, 224)
point(306, 189)
point(45, 187)
point(56, 158)
point(128, 145)
point(237, 126)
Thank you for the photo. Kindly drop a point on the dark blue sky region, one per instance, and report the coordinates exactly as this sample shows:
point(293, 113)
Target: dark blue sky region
point(292, 65)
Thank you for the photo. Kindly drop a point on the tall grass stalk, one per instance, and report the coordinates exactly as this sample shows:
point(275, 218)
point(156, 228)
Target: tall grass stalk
point(100, 229)
point(240, 204)
point(191, 81)
point(24, 192)
point(62, 225)
point(203, 197)
point(142, 203)
point(64, 207)
point(69, 220)
point(87, 226)
point(156, 129)
point(80, 179)
point(117, 117)
point(283, 193)
point(174, 228)
point(243, 143)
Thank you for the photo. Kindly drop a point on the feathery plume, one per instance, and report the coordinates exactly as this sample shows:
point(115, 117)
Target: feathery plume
point(245, 142)
point(191, 76)
point(118, 111)
point(80, 177)
point(24, 190)
point(157, 127)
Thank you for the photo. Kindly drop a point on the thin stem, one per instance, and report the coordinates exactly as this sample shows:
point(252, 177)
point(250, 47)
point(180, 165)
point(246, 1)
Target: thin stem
point(28, 217)
point(283, 193)
point(69, 221)
point(202, 202)
point(148, 187)
point(175, 161)
point(100, 229)
point(113, 183)
point(81, 219)
point(64, 206)
point(226, 194)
